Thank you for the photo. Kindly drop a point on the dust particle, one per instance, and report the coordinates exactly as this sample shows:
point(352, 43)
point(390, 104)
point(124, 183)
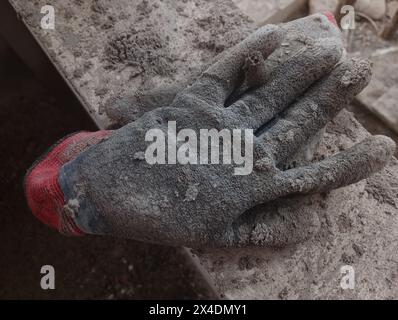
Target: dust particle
point(140, 155)
point(98, 7)
point(71, 207)
point(78, 73)
point(347, 258)
point(191, 193)
point(283, 294)
point(359, 250)
point(101, 91)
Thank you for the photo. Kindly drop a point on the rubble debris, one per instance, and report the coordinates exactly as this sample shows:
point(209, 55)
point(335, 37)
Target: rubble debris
point(316, 6)
point(374, 9)
point(391, 26)
point(142, 49)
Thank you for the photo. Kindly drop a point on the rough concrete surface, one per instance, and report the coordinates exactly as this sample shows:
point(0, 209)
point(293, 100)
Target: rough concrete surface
point(97, 44)
point(359, 224)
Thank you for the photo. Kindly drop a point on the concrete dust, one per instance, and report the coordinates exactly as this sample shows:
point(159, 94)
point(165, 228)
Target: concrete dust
point(142, 50)
point(300, 271)
point(174, 47)
point(383, 187)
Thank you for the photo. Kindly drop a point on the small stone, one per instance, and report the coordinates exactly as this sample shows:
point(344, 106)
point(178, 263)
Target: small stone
point(359, 250)
point(78, 73)
point(283, 294)
point(101, 91)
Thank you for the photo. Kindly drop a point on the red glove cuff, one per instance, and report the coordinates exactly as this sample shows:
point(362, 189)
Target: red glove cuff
point(43, 192)
point(331, 17)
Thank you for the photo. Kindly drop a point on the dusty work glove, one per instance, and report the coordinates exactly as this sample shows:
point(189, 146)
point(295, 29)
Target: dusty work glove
point(101, 183)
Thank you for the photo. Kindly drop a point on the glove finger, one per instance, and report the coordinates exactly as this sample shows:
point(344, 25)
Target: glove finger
point(219, 80)
point(318, 25)
point(258, 70)
point(294, 76)
point(126, 109)
point(319, 105)
point(275, 224)
point(347, 167)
